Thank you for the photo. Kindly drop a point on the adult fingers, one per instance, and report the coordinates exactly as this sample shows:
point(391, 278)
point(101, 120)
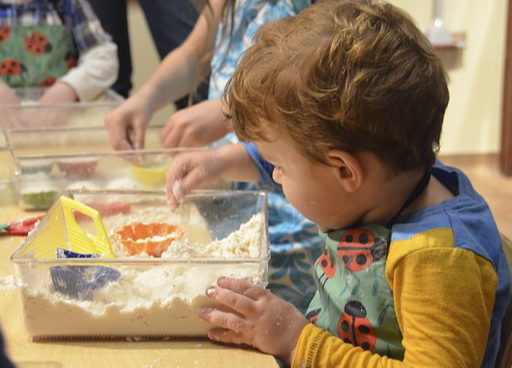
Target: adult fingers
point(119, 139)
point(137, 137)
point(171, 136)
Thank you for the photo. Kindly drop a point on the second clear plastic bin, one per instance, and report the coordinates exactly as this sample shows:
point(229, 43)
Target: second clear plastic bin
point(49, 161)
point(30, 115)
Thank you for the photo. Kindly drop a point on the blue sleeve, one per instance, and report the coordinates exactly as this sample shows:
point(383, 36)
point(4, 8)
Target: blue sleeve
point(265, 168)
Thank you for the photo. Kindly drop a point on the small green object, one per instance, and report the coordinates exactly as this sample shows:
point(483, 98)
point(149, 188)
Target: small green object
point(4, 227)
point(39, 200)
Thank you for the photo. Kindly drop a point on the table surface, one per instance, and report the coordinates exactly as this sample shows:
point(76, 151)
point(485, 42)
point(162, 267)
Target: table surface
point(104, 353)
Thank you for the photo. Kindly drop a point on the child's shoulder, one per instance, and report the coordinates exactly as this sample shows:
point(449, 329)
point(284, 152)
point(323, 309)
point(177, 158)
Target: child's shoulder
point(465, 221)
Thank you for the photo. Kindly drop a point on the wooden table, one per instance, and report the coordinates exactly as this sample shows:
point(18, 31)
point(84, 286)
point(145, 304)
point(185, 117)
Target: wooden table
point(105, 353)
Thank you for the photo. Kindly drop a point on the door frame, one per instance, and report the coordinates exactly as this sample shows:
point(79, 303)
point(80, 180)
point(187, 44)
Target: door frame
point(506, 121)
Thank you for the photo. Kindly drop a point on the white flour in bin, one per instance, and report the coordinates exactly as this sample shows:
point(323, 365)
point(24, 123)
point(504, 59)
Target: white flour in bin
point(146, 300)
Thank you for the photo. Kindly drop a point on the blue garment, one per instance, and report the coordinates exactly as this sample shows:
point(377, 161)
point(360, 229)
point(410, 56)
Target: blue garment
point(474, 229)
point(294, 240)
point(249, 16)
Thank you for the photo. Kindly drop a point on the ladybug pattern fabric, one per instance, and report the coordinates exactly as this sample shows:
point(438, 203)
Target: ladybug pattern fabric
point(35, 56)
point(354, 301)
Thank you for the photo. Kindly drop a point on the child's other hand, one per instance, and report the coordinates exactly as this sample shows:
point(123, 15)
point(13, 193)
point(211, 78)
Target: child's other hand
point(189, 171)
point(58, 93)
point(127, 123)
point(195, 126)
point(259, 318)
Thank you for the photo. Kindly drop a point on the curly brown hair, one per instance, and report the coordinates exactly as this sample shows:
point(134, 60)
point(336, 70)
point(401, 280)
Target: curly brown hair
point(355, 76)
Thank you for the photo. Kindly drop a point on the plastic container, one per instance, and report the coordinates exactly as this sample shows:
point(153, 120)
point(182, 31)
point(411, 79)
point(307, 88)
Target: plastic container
point(30, 115)
point(141, 296)
point(47, 162)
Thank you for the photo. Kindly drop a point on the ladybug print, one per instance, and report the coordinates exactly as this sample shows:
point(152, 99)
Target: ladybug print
point(327, 265)
point(312, 316)
point(49, 81)
point(354, 328)
point(12, 67)
point(5, 32)
point(357, 249)
point(71, 60)
point(37, 44)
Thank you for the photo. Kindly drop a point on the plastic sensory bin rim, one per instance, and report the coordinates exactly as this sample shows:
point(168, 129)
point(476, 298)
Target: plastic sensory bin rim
point(107, 98)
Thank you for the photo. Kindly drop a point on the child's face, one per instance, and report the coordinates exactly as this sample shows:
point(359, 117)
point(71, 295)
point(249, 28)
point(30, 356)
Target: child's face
point(312, 188)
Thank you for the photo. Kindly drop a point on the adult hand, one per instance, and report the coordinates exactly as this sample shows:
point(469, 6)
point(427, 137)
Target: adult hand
point(195, 126)
point(127, 123)
point(189, 171)
point(258, 318)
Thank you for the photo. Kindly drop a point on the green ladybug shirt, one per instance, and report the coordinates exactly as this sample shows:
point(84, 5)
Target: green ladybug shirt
point(354, 301)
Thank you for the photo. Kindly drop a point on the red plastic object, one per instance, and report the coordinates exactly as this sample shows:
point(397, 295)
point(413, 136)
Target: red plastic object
point(153, 238)
point(21, 227)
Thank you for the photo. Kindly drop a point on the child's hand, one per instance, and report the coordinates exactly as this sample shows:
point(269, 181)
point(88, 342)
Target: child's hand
point(195, 126)
point(189, 171)
point(259, 318)
point(127, 123)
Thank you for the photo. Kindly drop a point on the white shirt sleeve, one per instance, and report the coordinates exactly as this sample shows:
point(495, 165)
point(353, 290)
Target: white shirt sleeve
point(96, 71)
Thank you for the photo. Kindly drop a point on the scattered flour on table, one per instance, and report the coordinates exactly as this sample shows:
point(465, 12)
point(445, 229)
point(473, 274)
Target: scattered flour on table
point(159, 299)
point(7, 282)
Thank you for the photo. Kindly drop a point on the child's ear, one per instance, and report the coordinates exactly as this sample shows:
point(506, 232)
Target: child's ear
point(348, 169)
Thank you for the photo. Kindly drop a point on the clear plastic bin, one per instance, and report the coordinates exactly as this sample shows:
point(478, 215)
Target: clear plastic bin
point(30, 115)
point(141, 296)
point(49, 161)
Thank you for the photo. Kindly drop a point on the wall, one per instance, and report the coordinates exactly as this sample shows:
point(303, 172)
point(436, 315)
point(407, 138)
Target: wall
point(473, 118)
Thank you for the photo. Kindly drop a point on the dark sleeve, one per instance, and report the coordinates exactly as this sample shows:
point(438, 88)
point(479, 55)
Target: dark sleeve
point(5, 362)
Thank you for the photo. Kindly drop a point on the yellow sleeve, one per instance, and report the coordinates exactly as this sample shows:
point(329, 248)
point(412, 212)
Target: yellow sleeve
point(443, 298)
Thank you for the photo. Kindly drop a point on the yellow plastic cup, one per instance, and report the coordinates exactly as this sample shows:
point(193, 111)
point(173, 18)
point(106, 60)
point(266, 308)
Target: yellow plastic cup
point(152, 175)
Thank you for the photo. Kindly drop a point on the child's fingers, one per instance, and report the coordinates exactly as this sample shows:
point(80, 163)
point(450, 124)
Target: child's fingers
point(243, 287)
point(237, 302)
point(227, 336)
point(222, 319)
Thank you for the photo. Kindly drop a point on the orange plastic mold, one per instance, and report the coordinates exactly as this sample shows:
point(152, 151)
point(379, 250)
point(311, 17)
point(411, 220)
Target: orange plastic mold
point(153, 238)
